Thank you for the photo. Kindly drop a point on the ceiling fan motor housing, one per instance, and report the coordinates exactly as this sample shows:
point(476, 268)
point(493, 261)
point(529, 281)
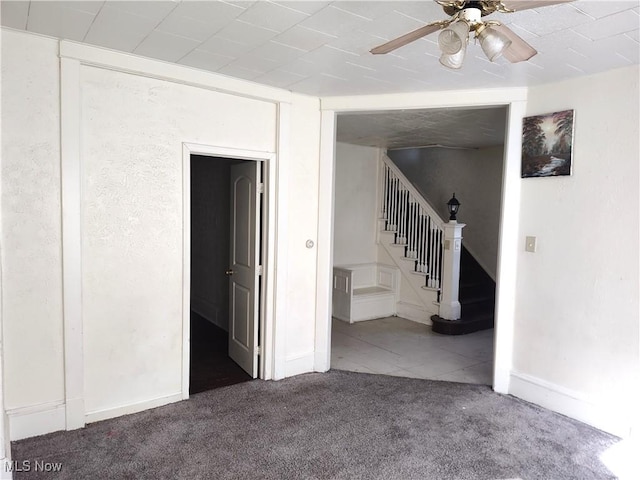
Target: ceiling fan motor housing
point(471, 15)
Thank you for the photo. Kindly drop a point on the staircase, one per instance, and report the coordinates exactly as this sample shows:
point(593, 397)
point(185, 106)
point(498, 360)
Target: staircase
point(411, 233)
point(477, 298)
point(421, 244)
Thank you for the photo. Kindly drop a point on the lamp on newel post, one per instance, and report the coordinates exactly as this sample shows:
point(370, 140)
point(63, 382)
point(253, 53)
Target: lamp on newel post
point(450, 308)
point(453, 205)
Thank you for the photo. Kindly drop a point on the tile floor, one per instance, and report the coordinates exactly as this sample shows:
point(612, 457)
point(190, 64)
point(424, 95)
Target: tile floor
point(400, 347)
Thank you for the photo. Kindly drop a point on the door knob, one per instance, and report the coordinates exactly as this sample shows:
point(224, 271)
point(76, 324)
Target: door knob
point(228, 272)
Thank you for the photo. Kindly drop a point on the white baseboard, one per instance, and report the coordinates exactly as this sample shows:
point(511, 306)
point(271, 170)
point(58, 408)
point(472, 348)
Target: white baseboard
point(107, 413)
point(415, 313)
point(36, 420)
point(299, 364)
point(576, 405)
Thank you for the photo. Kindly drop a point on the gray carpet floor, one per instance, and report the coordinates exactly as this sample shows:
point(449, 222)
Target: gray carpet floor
point(338, 425)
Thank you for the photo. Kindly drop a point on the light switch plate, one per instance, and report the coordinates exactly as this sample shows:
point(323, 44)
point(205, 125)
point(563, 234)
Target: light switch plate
point(530, 244)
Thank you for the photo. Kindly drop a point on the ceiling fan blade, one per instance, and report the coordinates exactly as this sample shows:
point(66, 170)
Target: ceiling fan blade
point(518, 5)
point(519, 50)
point(409, 37)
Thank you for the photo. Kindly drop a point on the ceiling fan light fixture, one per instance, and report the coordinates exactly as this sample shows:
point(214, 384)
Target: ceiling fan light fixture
point(492, 42)
point(453, 61)
point(454, 38)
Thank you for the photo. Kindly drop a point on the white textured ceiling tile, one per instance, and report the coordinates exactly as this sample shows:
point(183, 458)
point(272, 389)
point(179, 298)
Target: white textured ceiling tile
point(320, 85)
point(633, 35)
point(368, 10)
point(254, 63)
point(187, 27)
point(305, 6)
point(601, 9)
point(241, 32)
point(239, 72)
point(620, 44)
point(551, 19)
point(222, 46)
point(560, 40)
point(333, 21)
point(391, 26)
point(244, 4)
point(50, 18)
point(165, 46)
point(89, 6)
point(279, 78)
point(303, 67)
point(272, 16)
point(325, 59)
point(282, 54)
point(303, 38)
point(199, 19)
point(425, 12)
point(609, 26)
point(327, 52)
point(205, 60)
point(14, 14)
point(154, 10)
point(119, 30)
point(357, 42)
point(215, 12)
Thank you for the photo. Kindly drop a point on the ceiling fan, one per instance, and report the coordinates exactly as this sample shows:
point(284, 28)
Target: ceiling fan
point(466, 16)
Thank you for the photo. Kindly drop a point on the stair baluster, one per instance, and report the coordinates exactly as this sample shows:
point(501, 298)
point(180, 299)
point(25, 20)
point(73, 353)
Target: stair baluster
point(415, 228)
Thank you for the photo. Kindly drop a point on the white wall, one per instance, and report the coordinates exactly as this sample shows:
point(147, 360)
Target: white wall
point(576, 321)
point(356, 207)
point(475, 176)
point(302, 170)
point(132, 128)
point(31, 230)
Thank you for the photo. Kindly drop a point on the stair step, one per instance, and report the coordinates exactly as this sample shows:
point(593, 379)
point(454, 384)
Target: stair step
point(477, 287)
point(468, 324)
point(480, 307)
point(398, 244)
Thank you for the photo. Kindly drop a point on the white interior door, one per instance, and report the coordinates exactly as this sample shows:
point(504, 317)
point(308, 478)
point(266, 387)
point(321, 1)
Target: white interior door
point(243, 269)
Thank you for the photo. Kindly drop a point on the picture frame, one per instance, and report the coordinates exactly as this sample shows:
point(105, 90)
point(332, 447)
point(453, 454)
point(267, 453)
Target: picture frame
point(547, 144)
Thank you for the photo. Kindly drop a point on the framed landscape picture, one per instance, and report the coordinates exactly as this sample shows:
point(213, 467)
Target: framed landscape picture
point(547, 144)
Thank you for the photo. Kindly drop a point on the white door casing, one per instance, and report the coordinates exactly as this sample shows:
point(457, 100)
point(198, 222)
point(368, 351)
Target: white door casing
point(244, 266)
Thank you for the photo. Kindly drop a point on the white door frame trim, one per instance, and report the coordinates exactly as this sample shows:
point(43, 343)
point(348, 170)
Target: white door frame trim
point(267, 295)
point(515, 101)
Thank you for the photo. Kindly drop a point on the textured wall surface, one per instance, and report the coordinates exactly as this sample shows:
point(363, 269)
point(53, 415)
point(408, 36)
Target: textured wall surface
point(577, 296)
point(475, 176)
point(210, 238)
point(133, 129)
point(356, 208)
point(302, 212)
point(31, 225)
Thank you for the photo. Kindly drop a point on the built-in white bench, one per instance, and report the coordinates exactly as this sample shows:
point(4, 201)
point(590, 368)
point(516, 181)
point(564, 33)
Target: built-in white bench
point(364, 291)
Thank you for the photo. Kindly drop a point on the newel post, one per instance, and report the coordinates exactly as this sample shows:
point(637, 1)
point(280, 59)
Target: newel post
point(449, 303)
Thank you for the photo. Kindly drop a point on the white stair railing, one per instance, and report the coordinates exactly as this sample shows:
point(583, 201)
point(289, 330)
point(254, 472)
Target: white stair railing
point(415, 223)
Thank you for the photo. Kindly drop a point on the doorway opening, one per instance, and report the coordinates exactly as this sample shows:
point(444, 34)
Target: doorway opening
point(226, 240)
point(465, 155)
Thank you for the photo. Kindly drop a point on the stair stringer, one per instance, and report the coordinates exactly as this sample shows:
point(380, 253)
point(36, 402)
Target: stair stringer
point(428, 297)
